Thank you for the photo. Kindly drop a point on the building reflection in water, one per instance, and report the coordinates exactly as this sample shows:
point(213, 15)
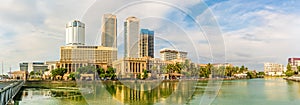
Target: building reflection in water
point(139, 93)
point(54, 96)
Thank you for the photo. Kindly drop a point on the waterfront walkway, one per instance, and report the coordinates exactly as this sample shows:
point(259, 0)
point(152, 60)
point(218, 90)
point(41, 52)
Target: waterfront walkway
point(8, 89)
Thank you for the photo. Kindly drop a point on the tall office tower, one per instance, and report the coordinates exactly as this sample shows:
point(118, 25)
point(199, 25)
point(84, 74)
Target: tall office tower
point(109, 31)
point(131, 37)
point(146, 43)
point(75, 33)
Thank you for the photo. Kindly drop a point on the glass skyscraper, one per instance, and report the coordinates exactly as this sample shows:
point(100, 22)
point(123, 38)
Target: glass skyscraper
point(109, 31)
point(146, 43)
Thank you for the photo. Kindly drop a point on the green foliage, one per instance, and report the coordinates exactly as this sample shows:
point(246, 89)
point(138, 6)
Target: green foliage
point(110, 72)
point(101, 72)
point(261, 73)
point(72, 75)
point(171, 68)
point(289, 72)
point(288, 67)
point(145, 74)
point(59, 71)
point(139, 76)
point(31, 73)
point(251, 75)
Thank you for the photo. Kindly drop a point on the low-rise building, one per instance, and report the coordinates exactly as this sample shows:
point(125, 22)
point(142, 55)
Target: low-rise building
point(130, 67)
point(273, 69)
point(19, 75)
point(74, 57)
point(294, 62)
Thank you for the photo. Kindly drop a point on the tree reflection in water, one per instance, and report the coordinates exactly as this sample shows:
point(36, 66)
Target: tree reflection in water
point(110, 92)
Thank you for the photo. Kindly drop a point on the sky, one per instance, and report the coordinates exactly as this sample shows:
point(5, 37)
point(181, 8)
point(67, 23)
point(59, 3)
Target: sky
point(241, 32)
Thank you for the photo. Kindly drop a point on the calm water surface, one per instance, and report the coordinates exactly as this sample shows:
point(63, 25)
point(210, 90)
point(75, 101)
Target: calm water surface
point(272, 91)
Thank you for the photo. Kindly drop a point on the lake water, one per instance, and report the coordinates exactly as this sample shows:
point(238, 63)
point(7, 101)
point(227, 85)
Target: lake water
point(272, 91)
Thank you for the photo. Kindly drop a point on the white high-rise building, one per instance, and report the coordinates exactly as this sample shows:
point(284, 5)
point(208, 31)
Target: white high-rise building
point(109, 31)
point(75, 33)
point(131, 37)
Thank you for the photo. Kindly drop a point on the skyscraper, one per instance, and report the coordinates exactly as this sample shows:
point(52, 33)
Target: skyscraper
point(75, 33)
point(131, 36)
point(109, 31)
point(146, 43)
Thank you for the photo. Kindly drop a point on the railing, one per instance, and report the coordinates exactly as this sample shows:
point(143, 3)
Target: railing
point(7, 93)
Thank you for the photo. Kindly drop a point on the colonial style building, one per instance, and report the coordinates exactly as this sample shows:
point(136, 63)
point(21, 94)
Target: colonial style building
point(130, 67)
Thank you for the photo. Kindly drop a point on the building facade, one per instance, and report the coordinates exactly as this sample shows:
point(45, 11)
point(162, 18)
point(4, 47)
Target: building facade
point(33, 66)
point(74, 57)
point(109, 31)
point(131, 37)
point(171, 54)
point(294, 62)
point(75, 33)
point(130, 67)
point(273, 69)
point(146, 43)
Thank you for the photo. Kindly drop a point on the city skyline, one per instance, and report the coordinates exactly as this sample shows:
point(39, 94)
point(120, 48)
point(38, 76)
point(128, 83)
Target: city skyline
point(252, 36)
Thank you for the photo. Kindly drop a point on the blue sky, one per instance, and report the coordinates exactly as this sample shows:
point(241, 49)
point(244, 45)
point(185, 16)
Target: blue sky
point(251, 31)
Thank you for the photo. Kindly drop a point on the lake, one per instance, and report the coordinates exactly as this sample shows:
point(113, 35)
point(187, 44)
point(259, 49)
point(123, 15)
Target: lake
point(263, 91)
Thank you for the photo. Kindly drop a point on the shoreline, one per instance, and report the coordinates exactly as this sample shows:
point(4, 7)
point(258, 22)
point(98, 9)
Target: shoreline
point(175, 80)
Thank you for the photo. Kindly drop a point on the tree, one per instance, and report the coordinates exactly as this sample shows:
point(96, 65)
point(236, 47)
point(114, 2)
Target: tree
point(145, 74)
point(31, 73)
point(72, 75)
point(110, 73)
point(59, 71)
point(298, 67)
point(289, 72)
point(101, 72)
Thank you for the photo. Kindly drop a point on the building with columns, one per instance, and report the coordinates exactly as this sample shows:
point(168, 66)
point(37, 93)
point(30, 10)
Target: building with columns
point(130, 67)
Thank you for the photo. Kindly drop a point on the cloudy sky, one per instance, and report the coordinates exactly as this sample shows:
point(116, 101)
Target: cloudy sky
point(242, 32)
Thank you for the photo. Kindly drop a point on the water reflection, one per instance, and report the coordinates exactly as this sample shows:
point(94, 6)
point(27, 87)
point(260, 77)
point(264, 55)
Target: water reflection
point(36, 96)
point(139, 93)
point(234, 92)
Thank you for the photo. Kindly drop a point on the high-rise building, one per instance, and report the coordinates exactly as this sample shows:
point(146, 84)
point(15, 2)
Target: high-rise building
point(75, 33)
point(109, 31)
point(171, 54)
point(131, 37)
point(146, 43)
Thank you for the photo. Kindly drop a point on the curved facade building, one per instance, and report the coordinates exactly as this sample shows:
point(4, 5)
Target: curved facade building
point(75, 33)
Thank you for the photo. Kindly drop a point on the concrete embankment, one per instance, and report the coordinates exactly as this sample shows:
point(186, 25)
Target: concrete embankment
point(293, 78)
